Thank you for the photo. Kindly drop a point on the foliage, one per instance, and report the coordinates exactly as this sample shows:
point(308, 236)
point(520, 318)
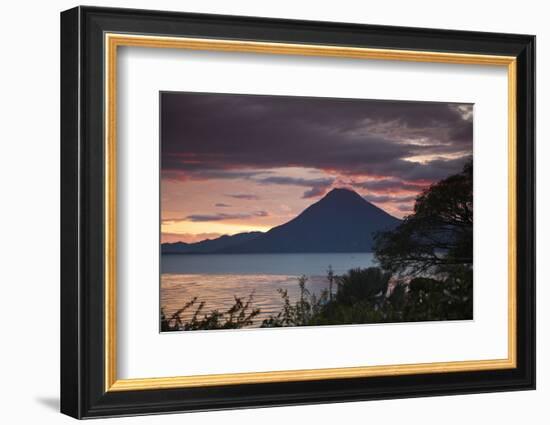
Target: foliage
point(362, 285)
point(431, 299)
point(438, 234)
point(239, 315)
point(302, 312)
point(364, 296)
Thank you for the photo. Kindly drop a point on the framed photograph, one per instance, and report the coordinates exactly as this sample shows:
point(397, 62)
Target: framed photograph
point(261, 212)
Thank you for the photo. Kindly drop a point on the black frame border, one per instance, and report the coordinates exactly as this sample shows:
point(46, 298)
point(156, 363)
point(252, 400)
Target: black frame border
point(82, 219)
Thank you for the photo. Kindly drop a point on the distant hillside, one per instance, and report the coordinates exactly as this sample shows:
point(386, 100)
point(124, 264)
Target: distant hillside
point(208, 246)
point(342, 221)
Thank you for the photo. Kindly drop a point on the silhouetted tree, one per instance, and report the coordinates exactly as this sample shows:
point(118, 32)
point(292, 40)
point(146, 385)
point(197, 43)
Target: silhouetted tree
point(438, 234)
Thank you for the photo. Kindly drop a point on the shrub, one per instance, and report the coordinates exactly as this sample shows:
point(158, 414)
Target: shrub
point(302, 313)
point(239, 315)
point(362, 285)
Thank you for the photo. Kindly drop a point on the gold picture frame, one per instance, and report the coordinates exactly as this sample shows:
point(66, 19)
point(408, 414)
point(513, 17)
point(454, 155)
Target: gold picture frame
point(114, 41)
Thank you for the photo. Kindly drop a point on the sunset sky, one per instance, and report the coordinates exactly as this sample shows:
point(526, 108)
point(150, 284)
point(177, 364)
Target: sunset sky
point(236, 163)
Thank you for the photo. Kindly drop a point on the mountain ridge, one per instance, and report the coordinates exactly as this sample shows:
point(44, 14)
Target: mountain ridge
point(207, 246)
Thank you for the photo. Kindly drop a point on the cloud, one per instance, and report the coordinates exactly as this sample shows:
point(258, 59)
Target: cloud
point(296, 181)
point(238, 136)
point(389, 185)
point(436, 169)
point(315, 192)
point(188, 237)
point(222, 205)
point(222, 216)
point(387, 198)
point(245, 196)
point(318, 187)
point(196, 171)
point(405, 208)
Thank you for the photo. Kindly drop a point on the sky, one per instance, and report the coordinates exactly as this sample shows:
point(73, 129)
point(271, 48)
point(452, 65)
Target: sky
point(233, 163)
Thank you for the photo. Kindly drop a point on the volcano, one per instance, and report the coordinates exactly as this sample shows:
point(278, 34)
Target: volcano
point(342, 221)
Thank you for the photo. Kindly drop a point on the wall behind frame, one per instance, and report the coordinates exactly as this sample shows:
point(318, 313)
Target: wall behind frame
point(29, 219)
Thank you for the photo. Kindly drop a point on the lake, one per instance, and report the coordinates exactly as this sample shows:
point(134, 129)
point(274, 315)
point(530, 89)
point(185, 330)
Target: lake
point(217, 278)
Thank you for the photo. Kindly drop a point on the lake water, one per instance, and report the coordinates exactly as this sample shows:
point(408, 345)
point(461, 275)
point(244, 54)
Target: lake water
point(217, 278)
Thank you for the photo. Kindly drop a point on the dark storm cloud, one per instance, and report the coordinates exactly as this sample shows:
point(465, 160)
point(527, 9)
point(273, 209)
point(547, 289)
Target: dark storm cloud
point(409, 174)
point(232, 136)
point(196, 171)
